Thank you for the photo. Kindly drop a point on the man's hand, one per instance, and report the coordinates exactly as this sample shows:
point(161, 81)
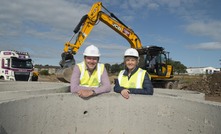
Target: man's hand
point(85, 93)
point(125, 93)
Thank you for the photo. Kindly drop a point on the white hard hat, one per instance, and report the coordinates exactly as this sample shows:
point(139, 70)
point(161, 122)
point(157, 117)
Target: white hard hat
point(131, 52)
point(91, 51)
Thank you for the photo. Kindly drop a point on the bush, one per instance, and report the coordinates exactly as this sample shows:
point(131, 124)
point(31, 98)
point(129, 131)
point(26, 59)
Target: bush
point(44, 72)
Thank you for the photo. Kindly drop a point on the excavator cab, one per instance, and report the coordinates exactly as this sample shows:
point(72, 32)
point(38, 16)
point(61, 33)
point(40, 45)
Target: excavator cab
point(160, 64)
point(154, 60)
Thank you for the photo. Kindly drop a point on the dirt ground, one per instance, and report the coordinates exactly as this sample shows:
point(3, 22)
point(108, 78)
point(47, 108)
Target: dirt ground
point(48, 78)
point(208, 84)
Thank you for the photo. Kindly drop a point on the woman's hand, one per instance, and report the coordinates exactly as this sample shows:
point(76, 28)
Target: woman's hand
point(125, 93)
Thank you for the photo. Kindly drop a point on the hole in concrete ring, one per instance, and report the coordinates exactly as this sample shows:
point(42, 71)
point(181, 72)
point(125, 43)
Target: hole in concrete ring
point(85, 112)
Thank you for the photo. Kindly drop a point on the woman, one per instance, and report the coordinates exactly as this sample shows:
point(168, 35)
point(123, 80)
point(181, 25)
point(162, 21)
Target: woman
point(133, 80)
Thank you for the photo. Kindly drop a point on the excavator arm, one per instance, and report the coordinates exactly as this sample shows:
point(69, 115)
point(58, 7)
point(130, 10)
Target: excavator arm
point(88, 22)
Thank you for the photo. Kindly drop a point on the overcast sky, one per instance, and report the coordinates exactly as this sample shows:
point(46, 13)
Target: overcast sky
point(189, 29)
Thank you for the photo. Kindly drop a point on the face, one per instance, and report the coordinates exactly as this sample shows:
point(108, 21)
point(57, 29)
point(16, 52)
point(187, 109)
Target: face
point(131, 62)
point(91, 62)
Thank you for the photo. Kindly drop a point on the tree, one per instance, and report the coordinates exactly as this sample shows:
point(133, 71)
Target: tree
point(44, 72)
point(178, 67)
point(108, 67)
point(220, 64)
point(116, 68)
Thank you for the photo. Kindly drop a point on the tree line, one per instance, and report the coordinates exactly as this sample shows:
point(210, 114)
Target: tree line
point(178, 67)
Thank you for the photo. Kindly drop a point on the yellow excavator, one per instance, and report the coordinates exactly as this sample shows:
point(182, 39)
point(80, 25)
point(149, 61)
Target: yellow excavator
point(153, 58)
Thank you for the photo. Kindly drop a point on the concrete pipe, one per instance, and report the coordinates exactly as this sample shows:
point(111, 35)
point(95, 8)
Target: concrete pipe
point(66, 113)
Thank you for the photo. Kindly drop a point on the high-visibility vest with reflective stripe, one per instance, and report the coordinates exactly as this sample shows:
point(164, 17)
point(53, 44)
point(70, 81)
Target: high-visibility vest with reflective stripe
point(135, 81)
point(95, 78)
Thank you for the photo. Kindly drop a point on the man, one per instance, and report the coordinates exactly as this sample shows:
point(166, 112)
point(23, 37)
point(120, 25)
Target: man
point(89, 77)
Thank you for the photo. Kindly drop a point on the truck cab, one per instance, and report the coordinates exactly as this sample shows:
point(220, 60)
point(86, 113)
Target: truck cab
point(15, 66)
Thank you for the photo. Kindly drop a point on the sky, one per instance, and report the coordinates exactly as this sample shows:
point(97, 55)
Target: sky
point(189, 29)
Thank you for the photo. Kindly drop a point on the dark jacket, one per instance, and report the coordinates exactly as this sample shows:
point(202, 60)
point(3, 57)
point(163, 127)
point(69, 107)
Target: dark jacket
point(147, 85)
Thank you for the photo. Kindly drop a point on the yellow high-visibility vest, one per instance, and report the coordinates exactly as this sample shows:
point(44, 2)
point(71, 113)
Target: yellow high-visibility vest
point(135, 81)
point(90, 81)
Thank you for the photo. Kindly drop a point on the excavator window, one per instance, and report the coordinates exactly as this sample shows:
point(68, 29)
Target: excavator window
point(150, 66)
point(161, 65)
point(156, 64)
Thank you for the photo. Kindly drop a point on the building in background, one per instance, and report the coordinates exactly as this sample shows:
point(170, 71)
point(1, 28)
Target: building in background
point(201, 70)
point(50, 69)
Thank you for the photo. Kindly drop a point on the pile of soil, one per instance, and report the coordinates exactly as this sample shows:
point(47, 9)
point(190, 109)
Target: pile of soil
point(208, 84)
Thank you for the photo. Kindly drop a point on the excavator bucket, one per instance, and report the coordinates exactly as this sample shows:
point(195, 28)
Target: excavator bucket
point(64, 74)
point(67, 64)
